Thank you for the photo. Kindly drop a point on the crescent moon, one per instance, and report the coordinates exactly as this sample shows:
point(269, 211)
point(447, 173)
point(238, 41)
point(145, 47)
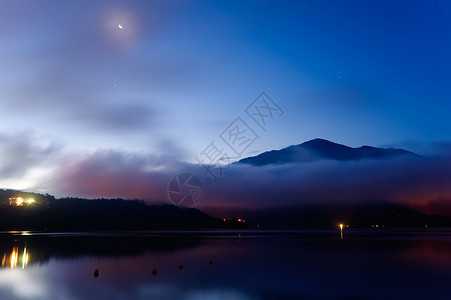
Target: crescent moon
point(120, 26)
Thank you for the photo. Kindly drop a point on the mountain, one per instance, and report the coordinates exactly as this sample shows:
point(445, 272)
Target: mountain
point(31, 211)
point(364, 215)
point(320, 149)
point(75, 214)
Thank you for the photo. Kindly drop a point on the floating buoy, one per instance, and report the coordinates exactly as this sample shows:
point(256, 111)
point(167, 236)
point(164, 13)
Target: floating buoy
point(210, 262)
point(96, 273)
point(154, 271)
point(181, 266)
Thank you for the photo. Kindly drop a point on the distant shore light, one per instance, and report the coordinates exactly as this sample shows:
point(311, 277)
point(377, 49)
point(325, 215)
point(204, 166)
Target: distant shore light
point(19, 201)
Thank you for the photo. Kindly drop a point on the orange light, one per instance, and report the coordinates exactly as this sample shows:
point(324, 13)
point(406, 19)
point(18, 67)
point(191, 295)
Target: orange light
point(341, 226)
point(19, 201)
point(14, 257)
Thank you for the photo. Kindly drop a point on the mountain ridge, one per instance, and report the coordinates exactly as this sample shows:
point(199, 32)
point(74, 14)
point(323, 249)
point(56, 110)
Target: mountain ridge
point(77, 214)
point(321, 149)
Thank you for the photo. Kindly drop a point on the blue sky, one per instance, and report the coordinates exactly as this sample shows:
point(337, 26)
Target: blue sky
point(72, 83)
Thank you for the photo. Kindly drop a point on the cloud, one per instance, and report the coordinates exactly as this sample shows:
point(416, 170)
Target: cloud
point(23, 152)
point(73, 76)
point(54, 94)
point(419, 182)
point(112, 174)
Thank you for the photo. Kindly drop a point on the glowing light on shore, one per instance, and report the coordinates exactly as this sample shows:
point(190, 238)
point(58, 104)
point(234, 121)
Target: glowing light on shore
point(19, 201)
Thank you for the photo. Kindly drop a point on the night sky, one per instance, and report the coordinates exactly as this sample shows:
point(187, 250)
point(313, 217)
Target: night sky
point(113, 98)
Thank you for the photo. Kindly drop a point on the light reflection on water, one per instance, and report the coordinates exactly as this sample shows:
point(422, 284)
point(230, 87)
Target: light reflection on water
point(16, 257)
point(227, 265)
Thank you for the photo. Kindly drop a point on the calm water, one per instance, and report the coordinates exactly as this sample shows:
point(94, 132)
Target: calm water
point(386, 264)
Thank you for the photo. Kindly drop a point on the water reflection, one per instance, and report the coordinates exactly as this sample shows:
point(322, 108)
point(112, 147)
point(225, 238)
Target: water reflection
point(251, 265)
point(15, 258)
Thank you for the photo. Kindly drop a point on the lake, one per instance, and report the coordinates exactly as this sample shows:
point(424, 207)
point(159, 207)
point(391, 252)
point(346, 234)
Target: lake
point(358, 264)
